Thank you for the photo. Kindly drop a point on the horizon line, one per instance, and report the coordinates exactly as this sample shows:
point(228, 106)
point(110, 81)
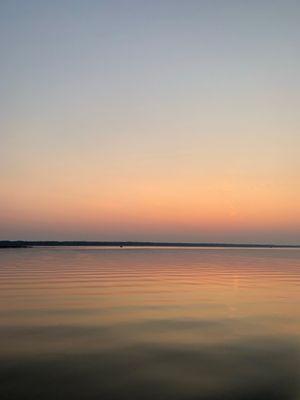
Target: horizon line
point(133, 243)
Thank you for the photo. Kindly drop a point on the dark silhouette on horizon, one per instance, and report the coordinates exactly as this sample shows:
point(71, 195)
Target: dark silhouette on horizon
point(122, 244)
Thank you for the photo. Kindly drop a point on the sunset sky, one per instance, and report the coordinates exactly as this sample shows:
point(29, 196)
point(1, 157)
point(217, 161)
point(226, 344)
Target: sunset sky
point(150, 120)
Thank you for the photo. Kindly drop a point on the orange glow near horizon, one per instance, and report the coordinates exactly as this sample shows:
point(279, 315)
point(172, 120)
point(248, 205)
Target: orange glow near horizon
point(163, 211)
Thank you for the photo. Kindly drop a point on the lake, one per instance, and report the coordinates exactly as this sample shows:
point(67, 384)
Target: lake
point(149, 323)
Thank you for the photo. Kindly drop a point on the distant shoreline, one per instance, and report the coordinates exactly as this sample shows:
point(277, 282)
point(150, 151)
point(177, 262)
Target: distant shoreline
point(5, 244)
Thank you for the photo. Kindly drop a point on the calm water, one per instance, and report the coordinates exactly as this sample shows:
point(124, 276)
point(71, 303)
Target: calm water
point(108, 324)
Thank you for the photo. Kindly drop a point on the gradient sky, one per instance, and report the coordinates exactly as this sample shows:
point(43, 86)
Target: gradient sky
point(150, 120)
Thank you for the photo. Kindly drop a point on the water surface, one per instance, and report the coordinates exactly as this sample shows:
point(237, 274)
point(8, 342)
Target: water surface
point(180, 324)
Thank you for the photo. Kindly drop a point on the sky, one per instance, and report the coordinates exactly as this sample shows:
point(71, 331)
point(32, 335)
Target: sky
point(150, 120)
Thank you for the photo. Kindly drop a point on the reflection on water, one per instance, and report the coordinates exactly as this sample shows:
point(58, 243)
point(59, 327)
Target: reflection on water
point(110, 324)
